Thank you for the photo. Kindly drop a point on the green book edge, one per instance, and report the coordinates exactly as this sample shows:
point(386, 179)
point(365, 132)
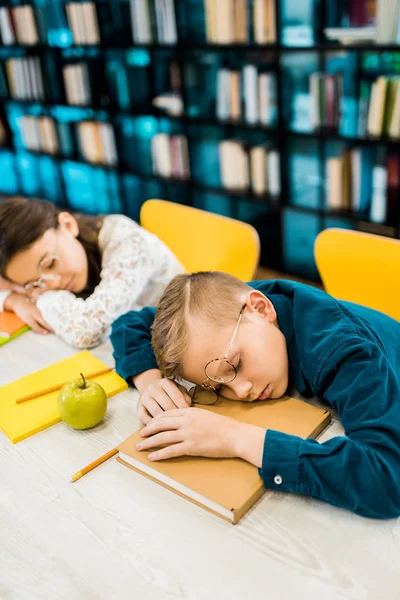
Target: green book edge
point(5, 340)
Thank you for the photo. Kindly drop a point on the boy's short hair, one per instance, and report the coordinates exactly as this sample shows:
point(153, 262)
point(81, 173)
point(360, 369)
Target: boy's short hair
point(212, 295)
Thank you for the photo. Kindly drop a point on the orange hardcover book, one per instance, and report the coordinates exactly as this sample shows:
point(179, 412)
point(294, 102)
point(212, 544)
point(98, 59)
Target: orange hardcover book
point(227, 487)
point(10, 327)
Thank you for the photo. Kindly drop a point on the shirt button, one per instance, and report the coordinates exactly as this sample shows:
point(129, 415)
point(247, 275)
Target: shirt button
point(278, 479)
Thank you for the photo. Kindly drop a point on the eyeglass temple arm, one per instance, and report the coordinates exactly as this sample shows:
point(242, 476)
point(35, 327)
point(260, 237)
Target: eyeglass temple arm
point(234, 333)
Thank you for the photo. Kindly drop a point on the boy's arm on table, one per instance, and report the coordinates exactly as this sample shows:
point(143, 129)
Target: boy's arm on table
point(135, 362)
point(361, 470)
point(131, 340)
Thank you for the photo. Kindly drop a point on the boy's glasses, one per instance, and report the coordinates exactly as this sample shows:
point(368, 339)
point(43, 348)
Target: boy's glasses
point(220, 370)
point(49, 268)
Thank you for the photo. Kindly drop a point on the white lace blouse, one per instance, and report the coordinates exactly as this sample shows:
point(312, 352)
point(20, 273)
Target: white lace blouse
point(135, 269)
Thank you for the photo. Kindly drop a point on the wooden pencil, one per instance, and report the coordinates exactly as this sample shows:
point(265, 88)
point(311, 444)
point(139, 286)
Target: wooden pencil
point(94, 464)
point(59, 386)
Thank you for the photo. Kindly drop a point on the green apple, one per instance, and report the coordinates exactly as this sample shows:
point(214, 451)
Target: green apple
point(82, 403)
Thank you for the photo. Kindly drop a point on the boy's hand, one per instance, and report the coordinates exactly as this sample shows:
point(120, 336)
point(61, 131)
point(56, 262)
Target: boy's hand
point(198, 432)
point(28, 312)
point(159, 396)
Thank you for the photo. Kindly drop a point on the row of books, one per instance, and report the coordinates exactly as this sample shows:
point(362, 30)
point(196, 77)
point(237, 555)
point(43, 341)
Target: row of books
point(151, 20)
point(243, 168)
point(170, 156)
point(365, 182)
point(82, 83)
point(96, 140)
point(257, 90)
point(227, 21)
point(378, 104)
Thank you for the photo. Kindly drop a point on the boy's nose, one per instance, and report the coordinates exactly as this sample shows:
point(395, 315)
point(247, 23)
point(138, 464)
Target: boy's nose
point(242, 388)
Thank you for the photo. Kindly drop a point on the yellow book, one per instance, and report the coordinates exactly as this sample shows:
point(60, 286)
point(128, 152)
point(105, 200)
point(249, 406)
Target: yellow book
point(19, 421)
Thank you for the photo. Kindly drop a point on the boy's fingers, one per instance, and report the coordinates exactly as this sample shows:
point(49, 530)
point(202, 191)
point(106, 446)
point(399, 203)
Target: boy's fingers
point(163, 400)
point(157, 425)
point(143, 415)
point(180, 399)
point(170, 452)
point(160, 439)
point(152, 407)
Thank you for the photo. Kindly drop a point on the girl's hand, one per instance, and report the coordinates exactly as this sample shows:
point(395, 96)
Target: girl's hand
point(28, 312)
point(8, 285)
point(198, 432)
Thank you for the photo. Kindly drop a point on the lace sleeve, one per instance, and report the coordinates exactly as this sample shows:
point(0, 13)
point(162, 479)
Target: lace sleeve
point(128, 269)
point(3, 297)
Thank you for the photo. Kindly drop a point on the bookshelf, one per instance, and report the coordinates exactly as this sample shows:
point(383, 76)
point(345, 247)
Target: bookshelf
point(92, 146)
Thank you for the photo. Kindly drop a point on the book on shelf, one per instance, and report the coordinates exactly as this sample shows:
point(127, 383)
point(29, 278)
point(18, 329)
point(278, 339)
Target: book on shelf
point(228, 21)
point(77, 84)
point(97, 142)
point(227, 487)
point(378, 210)
point(387, 21)
point(25, 79)
point(7, 31)
point(257, 90)
point(264, 21)
point(170, 156)
point(82, 20)
point(243, 167)
point(153, 20)
point(325, 90)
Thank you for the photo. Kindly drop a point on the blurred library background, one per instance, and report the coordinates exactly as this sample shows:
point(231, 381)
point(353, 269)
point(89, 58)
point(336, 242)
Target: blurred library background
point(284, 114)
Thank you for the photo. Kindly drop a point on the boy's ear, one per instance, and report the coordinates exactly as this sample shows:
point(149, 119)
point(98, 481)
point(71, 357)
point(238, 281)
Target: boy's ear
point(260, 305)
point(67, 222)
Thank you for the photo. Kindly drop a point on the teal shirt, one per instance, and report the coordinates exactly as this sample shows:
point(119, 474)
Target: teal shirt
point(343, 353)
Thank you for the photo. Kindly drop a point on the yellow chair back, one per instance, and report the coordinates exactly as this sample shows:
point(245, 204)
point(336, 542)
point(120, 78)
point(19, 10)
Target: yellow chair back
point(360, 267)
point(203, 241)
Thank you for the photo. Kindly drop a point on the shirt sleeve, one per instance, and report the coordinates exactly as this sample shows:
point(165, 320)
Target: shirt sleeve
point(131, 340)
point(126, 272)
point(359, 471)
point(3, 297)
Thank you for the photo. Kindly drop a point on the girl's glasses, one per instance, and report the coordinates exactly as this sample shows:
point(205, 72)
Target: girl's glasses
point(49, 268)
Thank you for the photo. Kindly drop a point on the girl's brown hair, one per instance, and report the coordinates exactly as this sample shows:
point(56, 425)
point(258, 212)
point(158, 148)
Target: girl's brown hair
point(23, 221)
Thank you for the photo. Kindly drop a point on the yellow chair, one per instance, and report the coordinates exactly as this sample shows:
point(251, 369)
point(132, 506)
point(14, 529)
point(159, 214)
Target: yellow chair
point(203, 241)
point(361, 268)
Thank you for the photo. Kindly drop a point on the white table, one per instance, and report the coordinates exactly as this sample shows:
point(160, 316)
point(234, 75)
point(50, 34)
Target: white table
point(116, 535)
